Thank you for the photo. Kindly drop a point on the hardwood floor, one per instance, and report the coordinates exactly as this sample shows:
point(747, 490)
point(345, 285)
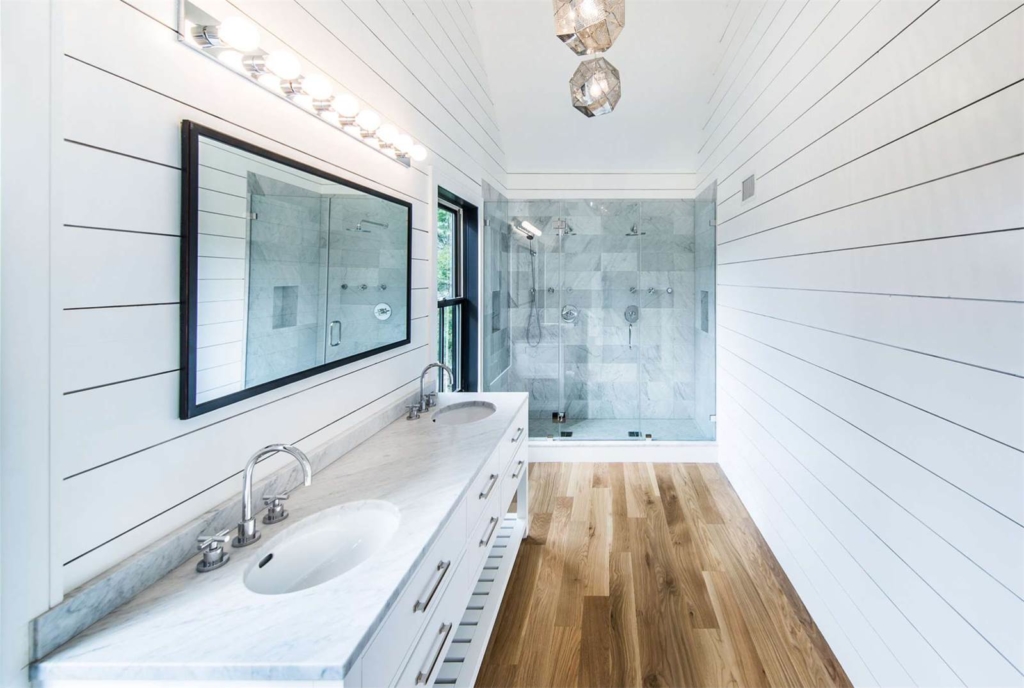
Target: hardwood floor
point(649, 575)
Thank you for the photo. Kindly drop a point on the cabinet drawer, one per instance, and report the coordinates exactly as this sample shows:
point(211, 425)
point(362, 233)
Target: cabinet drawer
point(486, 486)
point(516, 435)
point(515, 471)
point(428, 653)
point(422, 595)
point(481, 536)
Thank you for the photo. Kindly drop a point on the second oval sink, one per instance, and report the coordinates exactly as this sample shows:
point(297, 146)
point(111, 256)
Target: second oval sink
point(322, 547)
point(464, 412)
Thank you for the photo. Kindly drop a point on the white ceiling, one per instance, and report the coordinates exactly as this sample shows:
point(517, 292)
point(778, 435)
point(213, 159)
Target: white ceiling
point(665, 55)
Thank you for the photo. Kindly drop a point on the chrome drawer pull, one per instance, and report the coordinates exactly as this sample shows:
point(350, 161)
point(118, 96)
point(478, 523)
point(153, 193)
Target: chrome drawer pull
point(518, 435)
point(484, 541)
point(519, 469)
point(434, 654)
point(490, 486)
point(442, 569)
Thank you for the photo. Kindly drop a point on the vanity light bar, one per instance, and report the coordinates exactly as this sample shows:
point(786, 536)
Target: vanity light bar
point(235, 43)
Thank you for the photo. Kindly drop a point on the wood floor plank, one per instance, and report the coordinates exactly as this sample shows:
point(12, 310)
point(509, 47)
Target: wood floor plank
point(565, 658)
point(691, 580)
point(595, 644)
point(655, 576)
point(625, 649)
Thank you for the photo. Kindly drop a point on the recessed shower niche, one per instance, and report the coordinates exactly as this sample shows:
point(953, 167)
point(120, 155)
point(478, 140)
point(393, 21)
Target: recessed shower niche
point(609, 310)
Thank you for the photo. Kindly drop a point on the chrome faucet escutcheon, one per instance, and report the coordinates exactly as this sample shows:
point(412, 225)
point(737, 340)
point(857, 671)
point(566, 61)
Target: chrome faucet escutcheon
point(247, 532)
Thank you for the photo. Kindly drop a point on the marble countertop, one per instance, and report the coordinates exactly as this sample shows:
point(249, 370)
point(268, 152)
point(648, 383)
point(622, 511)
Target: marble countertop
point(211, 627)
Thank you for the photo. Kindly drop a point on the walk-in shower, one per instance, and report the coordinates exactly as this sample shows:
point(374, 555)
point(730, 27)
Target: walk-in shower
point(607, 309)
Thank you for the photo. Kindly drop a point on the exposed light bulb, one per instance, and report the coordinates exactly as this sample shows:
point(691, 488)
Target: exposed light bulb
point(231, 58)
point(387, 134)
point(404, 144)
point(368, 121)
point(317, 86)
point(418, 153)
point(346, 105)
point(269, 80)
point(239, 33)
point(284, 64)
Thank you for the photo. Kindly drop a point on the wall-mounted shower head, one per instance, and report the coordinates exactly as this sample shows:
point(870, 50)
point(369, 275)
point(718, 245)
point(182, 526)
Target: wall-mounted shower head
point(633, 232)
point(526, 228)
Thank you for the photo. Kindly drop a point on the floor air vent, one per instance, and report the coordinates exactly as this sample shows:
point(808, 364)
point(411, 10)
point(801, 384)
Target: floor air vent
point(567, 433)
point(634, 433)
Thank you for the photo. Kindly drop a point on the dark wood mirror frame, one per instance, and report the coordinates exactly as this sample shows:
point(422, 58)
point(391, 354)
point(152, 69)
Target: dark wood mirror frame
point(190, 135)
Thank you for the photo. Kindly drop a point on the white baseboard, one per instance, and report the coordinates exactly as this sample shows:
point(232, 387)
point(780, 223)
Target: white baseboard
point(562, 451)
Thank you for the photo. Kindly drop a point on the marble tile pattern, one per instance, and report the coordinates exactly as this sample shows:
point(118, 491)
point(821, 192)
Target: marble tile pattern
point(602, 256)
point(191, 626)
point(343, 254)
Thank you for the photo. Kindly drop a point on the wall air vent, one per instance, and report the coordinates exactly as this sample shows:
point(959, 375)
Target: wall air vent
point(748, 187)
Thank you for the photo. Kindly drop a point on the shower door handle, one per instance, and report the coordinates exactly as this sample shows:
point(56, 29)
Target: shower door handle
point(335, 332)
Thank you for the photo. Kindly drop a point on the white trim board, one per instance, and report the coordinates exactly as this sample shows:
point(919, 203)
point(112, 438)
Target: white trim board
point(562, 451)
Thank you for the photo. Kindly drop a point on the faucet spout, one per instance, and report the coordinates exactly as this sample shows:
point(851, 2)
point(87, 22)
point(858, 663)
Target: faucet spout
point(423, 375)
point(247, 533)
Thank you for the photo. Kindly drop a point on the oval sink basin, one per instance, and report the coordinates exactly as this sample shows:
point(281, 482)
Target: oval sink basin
point(322, 547)
point(464, 412)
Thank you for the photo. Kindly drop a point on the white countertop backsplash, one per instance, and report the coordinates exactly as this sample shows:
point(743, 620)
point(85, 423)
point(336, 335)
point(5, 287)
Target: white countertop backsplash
point(211, 627)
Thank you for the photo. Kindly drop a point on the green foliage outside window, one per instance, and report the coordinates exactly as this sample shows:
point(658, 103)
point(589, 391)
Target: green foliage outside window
point(445, 249)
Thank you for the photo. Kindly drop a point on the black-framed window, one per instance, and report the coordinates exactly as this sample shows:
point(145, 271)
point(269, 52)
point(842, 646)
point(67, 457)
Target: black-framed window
point(457, 290)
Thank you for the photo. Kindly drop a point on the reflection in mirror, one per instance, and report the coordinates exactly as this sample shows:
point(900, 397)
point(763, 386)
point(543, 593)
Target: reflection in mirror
point(294, 271)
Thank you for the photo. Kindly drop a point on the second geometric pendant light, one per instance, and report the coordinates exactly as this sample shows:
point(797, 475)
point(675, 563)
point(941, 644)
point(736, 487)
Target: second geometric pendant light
point(588, 27)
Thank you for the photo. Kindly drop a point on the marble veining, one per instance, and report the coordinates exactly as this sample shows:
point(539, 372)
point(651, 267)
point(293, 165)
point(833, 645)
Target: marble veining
point(211, 627)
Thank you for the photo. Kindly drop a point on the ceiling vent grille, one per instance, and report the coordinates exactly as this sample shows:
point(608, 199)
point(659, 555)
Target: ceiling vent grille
point(748, 187)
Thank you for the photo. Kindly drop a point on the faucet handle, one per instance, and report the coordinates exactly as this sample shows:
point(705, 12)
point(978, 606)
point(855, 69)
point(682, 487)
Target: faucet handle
point(275, 510)
point(212, 547)
point(431, 399)
point(414, 412)
point(213, 540)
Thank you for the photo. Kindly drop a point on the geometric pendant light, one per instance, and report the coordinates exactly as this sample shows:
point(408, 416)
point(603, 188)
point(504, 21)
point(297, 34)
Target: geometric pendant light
point(595, 87)
point(589, 26)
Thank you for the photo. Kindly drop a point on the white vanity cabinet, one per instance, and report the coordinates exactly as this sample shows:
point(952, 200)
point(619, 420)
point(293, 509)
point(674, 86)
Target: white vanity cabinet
point(418, 613)
point(414, 644)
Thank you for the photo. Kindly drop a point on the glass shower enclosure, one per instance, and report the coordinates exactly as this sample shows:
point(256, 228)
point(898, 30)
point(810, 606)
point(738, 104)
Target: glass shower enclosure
point(608, 309)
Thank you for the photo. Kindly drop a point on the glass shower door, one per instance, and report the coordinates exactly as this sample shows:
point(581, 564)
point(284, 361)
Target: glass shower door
point(599, 320)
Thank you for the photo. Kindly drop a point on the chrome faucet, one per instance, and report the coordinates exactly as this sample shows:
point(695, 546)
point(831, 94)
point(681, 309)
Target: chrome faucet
point(424, 399)
point(247, 533)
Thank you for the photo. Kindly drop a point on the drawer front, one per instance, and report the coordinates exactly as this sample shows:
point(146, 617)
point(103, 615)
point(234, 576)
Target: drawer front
point(486, 486)
point(428, 654)
point(422, 595)
point(515, 436)
point(515, 471)
point(481, 536)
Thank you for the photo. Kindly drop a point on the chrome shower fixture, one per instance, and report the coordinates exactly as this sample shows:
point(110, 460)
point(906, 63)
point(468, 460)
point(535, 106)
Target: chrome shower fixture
point(359, 226)
point(526, 228)
point(634, 232)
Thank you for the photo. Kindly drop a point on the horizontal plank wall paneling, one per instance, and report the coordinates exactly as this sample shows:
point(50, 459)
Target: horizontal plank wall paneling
point(542, 185)
point(871, 322)
point(120, 453)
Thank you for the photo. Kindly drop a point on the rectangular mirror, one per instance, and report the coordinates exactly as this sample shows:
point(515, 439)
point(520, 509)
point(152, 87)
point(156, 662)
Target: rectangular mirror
point(287, 271)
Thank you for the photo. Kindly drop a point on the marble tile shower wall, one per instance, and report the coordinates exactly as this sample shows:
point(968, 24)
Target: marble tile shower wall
point(497, 350)
point(283, 329)
point(601, 257)
point(368, 263)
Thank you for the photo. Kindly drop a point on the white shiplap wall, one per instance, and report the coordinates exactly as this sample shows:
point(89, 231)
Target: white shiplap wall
point(125, 469)
point(573, 185)
point(871, 324)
